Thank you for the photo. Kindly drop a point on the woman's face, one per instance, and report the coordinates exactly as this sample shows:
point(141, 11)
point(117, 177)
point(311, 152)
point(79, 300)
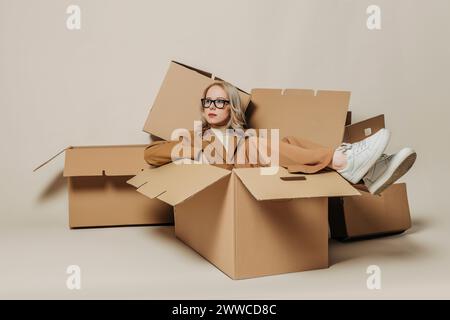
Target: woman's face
point(214, 116)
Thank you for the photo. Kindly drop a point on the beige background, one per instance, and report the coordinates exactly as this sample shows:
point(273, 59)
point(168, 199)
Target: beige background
point(95, 86)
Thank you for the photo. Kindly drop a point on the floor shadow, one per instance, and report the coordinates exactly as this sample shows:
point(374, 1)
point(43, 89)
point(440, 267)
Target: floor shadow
point(400, 246)
point(167, 233)
point(396, 245)
point(125, 226)
point(56, 185)
point(419, 225)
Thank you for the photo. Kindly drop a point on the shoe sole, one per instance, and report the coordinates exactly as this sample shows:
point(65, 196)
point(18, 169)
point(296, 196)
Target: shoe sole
point(394, 172)
point(377, 154)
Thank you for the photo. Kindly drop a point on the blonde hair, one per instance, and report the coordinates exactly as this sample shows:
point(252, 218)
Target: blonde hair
point(237, 110)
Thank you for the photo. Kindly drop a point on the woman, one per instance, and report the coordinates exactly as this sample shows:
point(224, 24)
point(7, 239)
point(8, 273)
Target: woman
point(221, 109)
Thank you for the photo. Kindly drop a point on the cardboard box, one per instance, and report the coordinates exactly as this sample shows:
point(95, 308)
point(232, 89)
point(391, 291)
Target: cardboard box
point(245, 223)
point(180, 94)
point(98, 193)
point(248, 224)
point(369, 215)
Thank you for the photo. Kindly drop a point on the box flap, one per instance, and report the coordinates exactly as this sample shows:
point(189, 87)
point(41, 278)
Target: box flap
point(174, 183)
point(51, 158)
point(104, 160)
point(285, 185)
point(180, 94)
point(318, 117)
point(363, 129)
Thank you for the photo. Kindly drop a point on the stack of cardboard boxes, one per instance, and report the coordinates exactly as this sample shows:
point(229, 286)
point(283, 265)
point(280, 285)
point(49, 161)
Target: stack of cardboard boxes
point(245, 223)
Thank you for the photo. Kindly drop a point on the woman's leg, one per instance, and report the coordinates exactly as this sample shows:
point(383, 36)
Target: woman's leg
point(339, 160)
point(361, 160)
point(351, 161)
point(311, 152)
point(302, 155)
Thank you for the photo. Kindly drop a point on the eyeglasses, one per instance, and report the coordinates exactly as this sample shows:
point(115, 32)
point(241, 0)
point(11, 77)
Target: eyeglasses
point(218, 103)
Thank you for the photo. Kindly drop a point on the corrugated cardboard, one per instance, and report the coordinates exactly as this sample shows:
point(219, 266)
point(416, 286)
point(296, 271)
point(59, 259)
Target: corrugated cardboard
point(317, 116)
point(247, 224)
point(174, 183)
point(369, 215)
point(180, 94)
point(98, 192)
point(276, 187)
point(363, 129)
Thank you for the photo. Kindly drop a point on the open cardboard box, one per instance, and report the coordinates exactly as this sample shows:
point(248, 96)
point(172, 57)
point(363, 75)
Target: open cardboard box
point(98, 193)
point(248, 224)
point(369, 215)
point(245, 223)
point(180, 94)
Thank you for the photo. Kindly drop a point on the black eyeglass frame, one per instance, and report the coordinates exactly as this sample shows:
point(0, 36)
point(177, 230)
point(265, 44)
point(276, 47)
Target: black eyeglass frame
point(225, 102)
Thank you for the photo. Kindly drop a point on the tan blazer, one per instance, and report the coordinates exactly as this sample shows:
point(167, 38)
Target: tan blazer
point(295, 154)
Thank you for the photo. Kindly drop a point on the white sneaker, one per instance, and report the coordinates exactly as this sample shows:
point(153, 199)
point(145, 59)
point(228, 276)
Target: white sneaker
point(388, 169)
point(362, 155)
